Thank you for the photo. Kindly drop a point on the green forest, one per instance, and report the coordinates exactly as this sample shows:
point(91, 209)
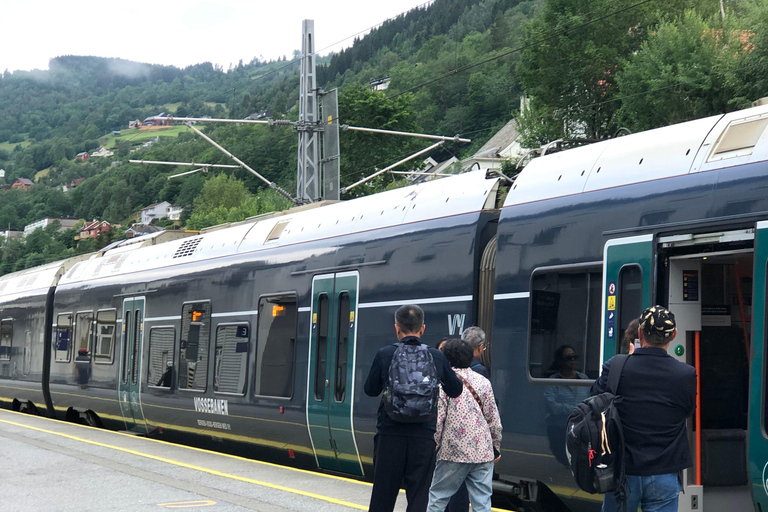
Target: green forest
point(588, 70)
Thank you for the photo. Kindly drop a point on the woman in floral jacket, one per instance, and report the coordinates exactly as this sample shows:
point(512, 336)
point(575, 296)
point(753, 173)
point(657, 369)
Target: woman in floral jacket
point(468, 436)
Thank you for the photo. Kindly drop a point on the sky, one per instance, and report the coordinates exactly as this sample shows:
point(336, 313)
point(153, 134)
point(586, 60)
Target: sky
point(180, 32)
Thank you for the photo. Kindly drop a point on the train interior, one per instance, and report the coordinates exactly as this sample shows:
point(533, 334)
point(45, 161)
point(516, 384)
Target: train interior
point(709, 288)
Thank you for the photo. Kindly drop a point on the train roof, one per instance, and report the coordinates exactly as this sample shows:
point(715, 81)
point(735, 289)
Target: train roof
point(37, 279)
point(455, 195)
point(704, 144)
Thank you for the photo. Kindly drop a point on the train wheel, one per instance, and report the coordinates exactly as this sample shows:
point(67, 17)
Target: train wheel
point(92, 420)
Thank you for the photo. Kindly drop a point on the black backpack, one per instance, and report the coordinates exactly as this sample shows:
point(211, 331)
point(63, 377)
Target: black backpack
point(412, 391)
point(594, 440)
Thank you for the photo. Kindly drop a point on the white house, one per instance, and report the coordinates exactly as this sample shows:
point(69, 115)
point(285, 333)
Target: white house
point(42, 223)
point(174, 212)
point(155, 211)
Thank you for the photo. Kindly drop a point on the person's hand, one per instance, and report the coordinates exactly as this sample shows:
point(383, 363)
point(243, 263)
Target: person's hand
point(497, 459)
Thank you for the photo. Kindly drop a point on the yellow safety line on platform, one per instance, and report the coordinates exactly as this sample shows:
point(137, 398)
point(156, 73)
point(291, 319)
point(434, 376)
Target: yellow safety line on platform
point(193, 448)
point(197, 468)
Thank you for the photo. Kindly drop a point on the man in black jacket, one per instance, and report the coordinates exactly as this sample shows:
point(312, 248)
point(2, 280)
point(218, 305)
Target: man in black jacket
point(658, 394)
point(405, 452)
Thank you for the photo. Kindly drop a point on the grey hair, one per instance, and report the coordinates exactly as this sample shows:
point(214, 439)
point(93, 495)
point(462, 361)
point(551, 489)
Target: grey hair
point(474, 336)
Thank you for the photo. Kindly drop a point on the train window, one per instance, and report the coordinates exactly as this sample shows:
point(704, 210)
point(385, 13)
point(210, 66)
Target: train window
point(162, 347)
point(565, 311)
point(124, 358)
point(63, 338)
point(105, 336)
point(138, 324)
point(83, 331)
point(630, 300)
point(342, 346)
point(275, 342)
point(27, 353)
point(230, 363)
point(738, 139)
point(321, 345)
point(193, 346)
point(6, 337)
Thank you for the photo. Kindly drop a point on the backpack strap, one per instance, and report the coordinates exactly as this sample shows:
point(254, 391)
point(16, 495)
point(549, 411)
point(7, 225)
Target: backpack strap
point(617, 365)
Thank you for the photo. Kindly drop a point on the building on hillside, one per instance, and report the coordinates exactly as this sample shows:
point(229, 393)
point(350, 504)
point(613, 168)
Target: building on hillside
point(174, 212)
point(42, 223)
point(135, 124)
point(161, 119)
point(139, 229)
point(504, 145)
point(5, 187)
point(11, 233)
point(116, 132)
point(155, 211)
point(93, 229)
point(22, 183)
point(102, 152)
point(82, 156)
point(380, 84)
point(72, 184)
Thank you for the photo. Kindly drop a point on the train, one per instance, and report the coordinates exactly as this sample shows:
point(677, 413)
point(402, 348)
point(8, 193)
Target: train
point(255, 338)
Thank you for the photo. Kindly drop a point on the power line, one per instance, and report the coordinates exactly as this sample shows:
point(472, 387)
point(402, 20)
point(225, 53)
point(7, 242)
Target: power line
point(532, 44)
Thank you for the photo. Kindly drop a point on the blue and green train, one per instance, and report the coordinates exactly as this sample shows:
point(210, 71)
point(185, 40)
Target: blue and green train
point(255, 338)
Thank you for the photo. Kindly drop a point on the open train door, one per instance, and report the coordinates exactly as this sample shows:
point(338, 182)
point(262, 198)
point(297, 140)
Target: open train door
point(627, 286)
point(129, 381)
point(758, 386)
point(330, 389)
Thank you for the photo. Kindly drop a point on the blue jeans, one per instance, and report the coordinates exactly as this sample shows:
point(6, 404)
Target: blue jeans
point(449, 476)
point(656, 493)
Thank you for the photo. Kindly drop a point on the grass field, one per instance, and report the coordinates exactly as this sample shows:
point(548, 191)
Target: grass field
point(8, 146)
point(136, 137)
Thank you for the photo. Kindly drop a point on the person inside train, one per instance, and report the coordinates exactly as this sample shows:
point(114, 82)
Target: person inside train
point(630, 341)
point(83, 368)
point(404, 452)
point(475, 337)
point(561, 398)
point(468, 436)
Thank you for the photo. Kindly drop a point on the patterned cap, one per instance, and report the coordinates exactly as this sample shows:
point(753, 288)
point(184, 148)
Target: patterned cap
point(658, 320)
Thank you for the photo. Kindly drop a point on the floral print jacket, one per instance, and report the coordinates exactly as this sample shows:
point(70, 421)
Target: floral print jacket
point(464, 432)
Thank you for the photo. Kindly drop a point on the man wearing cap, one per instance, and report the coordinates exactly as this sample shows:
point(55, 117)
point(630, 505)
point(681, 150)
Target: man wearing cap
point(658, 395)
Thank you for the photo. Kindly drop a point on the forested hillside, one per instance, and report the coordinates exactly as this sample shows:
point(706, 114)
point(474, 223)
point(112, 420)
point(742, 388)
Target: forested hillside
point(586, 67)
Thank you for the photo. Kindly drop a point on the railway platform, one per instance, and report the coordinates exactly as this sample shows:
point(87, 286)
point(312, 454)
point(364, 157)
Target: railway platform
point(49, 465)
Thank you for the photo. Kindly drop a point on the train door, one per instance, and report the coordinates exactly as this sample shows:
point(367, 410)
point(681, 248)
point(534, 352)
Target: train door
point(627, 286)
point(330, 388)
point(129, 380)
point(706, 281)
point(758, 403)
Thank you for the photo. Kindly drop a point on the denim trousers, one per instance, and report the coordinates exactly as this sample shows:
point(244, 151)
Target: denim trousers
point(449, 476)
point(655, 493)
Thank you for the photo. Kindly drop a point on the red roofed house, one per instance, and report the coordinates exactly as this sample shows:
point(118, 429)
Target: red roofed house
point(93, 229)
point(82, 156)
point(22, 183)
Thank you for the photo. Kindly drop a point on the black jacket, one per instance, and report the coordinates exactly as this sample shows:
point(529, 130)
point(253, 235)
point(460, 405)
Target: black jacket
point(658, 394)
point(478, 366)
point(378, 378)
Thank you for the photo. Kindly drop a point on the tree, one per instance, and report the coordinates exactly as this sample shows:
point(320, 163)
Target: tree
point(361, 152)
point(677, 75)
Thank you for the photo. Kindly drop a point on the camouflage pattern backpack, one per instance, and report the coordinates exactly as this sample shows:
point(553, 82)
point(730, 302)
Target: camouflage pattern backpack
point(412, 391)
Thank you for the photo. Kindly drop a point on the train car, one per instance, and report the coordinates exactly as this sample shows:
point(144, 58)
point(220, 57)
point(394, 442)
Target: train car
point(26, 300)
point(255, 339)
point(589, 237)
